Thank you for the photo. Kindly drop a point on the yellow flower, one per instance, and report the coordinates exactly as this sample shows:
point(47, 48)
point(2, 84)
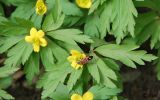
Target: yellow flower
point(37, 39)
point(41, 8)
point(84, 3)
point(86, 96)
point(76, 57)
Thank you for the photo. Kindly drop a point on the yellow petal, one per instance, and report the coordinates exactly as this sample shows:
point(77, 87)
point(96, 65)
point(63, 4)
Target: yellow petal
point(83, 55)
point(41, 8)
point(29, 39)
point(75, 52)
point(33, 32)
point(36, 48)
point(71, 58)
point(88, 96)
point(76, 97)
point(40, 33)
point(43, 42)
point(84, 3)
point(75, 65)
point(41, 11)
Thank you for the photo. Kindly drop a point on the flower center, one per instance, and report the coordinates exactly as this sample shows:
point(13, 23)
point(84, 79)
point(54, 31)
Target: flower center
point(36, 40)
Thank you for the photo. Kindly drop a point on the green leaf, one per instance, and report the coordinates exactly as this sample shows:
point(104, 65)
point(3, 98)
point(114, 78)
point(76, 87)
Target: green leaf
point(58, 51)
point(54, 19)
point(112, 64)
point(9, 42)
point(6, 71)
point(158, 65)
point(61, 93)
point(123, 20)
point(17, 26)
point(106, 74)
point(18, 54)
point(31, 67)
point(149, 27)
point(94, 6)
point(47, 57)
point(93, 70)
point(70, 36)
point(53, 77)
point(104, 93)
point(69, 8)
point(75, 75)
point(125, 54)
point(25, 9)
point(50, 24)
point(6, 82)
point(1, 10)
point(5, 95)
point(119, 21)
point(91, 26)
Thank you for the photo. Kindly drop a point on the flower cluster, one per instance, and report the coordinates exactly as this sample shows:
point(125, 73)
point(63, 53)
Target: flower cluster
point(76, 57)
point(86, 96)
point(37, 39)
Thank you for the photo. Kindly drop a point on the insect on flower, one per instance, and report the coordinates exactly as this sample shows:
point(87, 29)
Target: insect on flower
point(78, 59)
point(85, 60)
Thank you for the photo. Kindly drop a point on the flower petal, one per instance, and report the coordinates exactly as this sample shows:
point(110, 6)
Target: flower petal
point(88, 96)
point(71, 58)
point(75, 65)
point(33, 32)
point(75, 52)
point(41, 8)
point(84, 3)
point(36, 47)
point(43, 42)
point(29, 39)
point(40, 33)
point(76, 97)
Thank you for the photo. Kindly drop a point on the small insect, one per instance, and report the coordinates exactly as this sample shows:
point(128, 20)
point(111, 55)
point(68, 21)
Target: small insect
point(85, 60)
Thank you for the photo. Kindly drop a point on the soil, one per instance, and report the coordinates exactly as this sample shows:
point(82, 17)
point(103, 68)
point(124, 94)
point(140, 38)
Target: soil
point(23, 93)
point(145, 87)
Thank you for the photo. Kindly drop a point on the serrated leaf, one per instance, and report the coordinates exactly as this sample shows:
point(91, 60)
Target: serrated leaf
point(70, 36)
point(125, 54)
point(103, 93)
point(15, 54)
point(6, 71)
point(5, 95)
point(53, 77)
point(75, 75)
point(31, 67)
point(17, 26)
point(54, 19)
point(9, 42)
point(69, 8)
point(124, 10)
point(61, 93)
point(93, 70)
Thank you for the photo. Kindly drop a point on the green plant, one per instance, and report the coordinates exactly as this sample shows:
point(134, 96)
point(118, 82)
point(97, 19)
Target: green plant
point(67, 27)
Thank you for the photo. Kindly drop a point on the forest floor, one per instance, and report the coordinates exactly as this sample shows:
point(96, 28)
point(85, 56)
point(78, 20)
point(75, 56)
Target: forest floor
point(145, 86)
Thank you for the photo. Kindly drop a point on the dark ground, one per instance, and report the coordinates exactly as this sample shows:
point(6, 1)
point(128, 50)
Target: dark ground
point(144, 87)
